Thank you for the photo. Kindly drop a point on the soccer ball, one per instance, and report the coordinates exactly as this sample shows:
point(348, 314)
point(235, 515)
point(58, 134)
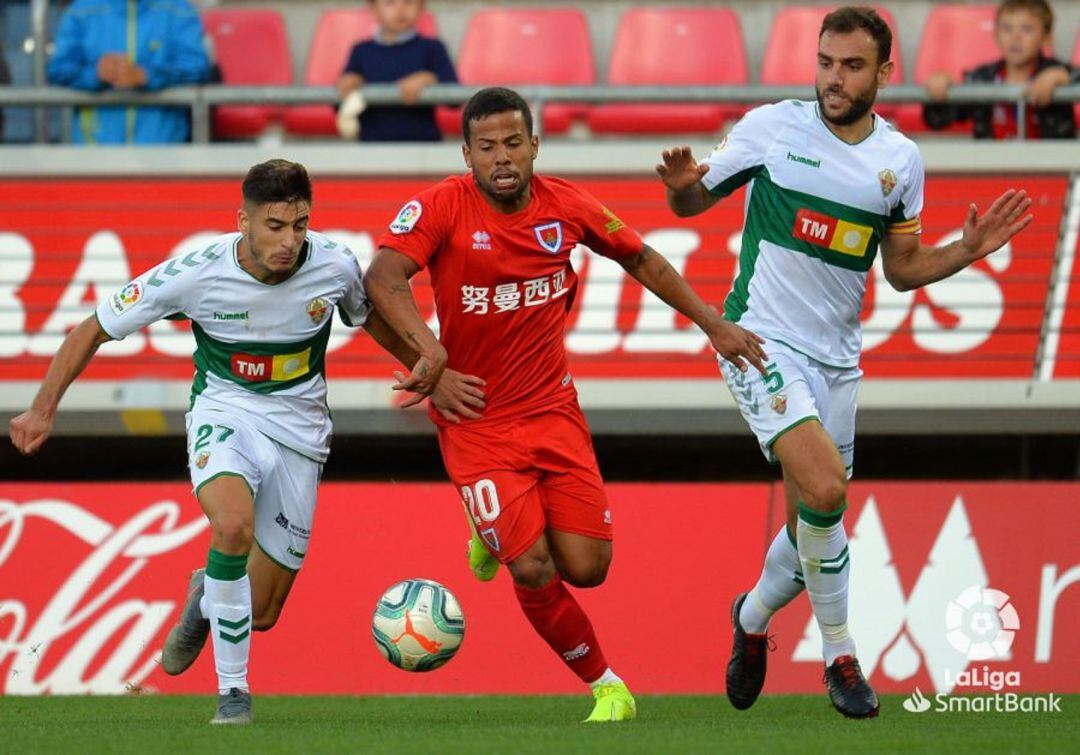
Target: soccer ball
point(418, 625)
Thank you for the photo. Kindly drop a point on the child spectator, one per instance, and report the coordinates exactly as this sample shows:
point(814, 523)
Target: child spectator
point(146, 44)
point(1022, 30)
point(396, 54)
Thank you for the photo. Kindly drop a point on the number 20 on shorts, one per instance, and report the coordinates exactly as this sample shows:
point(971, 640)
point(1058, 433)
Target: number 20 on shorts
point(481, 501)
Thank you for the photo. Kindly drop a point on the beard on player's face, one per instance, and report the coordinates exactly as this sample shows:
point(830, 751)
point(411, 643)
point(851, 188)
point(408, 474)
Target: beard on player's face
point(858, 104)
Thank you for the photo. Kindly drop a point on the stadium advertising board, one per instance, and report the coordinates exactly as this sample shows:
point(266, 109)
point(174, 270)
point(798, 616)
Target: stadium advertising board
point(956, 587)
point(66, 244)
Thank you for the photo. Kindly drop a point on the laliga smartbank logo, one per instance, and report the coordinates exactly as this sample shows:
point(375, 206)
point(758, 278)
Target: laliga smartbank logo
point(981, 622)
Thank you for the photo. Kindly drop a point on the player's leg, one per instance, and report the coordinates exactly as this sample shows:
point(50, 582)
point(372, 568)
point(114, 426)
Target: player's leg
point(579, 535)
point(772, 405)
point(813, 464)
point(781, 578)
point(229, 504)
point(780, 582)
point(284, 516)
point(562, 623)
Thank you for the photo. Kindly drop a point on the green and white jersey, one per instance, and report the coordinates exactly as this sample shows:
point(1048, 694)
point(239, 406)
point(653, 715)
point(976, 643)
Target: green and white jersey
point(261, 348)
point(816, 210)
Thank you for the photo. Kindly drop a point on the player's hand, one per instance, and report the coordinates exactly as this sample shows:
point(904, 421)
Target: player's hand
point(735, 344)
point(30, 430)
point(425, 373)
point(456, 394)
point(937, 86)
point(679, 170)
point(1004, 219)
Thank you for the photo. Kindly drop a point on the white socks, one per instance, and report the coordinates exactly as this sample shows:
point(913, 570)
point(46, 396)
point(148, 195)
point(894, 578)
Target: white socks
point(228, 603)
point(608, 677)
point(780, 582)
point(823, 551)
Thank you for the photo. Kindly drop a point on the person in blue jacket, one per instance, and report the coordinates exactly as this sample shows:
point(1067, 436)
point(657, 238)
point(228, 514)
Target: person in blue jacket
point(129, 44)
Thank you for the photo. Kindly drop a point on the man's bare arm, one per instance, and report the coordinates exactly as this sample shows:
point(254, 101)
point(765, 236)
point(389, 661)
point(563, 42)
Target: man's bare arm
point(387, 285)
point(910, 264)
point(730, 341)
point(32, 428)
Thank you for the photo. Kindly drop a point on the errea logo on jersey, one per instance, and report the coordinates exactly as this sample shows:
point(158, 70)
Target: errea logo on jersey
point(481, 241)
point(838, 235)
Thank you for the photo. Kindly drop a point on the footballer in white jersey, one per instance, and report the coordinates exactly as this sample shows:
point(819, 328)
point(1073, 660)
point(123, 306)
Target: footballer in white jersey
point(830, 186)
point(261, 302)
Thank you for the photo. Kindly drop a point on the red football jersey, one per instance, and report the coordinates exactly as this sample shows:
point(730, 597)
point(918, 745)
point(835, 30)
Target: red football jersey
point(503, 283)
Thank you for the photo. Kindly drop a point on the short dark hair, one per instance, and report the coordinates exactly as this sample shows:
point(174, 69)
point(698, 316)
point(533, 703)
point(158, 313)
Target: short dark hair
point(852, 18)
point(494, 100)
point(1039, 8)
point(277, 181)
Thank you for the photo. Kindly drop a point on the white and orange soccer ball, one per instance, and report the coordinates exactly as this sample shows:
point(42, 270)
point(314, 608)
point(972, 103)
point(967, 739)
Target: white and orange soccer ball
point(418, 625)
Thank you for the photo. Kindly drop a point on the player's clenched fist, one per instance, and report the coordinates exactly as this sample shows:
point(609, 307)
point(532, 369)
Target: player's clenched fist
point(30, 430)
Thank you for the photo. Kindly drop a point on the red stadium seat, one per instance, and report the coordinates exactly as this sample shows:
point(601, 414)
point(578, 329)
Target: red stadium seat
point(337, 31)
point(791, 51)
point(250, 47)
point(526, 46)
point(671, 45)
point(955, 38)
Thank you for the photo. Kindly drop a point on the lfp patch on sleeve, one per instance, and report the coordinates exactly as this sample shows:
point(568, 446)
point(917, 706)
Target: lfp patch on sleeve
point(125, 298)
point(407, 217)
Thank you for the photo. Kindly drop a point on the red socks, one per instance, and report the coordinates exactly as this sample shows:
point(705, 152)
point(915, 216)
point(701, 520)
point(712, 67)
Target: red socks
point(558, 618)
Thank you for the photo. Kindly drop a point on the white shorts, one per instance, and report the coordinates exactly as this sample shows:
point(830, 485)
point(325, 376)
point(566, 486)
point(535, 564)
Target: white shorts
point(283, 482)
point(796, 389)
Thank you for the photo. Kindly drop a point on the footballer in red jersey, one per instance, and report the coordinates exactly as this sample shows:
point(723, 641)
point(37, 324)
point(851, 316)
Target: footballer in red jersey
point(497, 243)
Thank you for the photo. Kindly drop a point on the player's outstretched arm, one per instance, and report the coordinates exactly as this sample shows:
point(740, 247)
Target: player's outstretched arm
point(455, 394)
point(909, 264)
point(730, 341)
point(682, 175)
point(387, 284)
point(32, 428)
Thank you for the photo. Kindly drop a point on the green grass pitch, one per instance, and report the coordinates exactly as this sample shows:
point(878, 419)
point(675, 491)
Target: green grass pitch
point(777, 724)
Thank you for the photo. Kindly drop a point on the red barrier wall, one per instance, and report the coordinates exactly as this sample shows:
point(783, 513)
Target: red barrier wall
point(91, 577)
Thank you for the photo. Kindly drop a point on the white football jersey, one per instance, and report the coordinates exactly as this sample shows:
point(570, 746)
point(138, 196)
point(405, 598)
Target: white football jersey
point(261, 348)
point(816, 210)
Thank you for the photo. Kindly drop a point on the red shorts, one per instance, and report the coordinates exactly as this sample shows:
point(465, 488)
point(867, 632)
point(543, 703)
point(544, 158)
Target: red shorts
point(519, 477)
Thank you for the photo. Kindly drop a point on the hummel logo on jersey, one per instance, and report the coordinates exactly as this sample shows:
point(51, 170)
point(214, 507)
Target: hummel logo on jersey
point(832, 233)
point(230, 315)
point(804, 160)
point(481, 241)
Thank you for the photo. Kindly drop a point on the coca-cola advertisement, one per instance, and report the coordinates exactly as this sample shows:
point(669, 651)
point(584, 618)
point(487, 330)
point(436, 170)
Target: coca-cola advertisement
point(92, 576)
point(68, 244)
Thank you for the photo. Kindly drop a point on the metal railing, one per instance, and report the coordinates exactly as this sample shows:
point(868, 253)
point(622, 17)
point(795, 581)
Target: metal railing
point(202, 98)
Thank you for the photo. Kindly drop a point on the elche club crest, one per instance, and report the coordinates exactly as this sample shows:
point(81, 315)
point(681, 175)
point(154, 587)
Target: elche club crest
point(549, 236)
point(317, 309)
point(888, 181)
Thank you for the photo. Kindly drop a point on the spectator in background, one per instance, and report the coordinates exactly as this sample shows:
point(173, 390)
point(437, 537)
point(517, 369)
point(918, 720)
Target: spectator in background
point(396, 54)
point(102, 45)
point(1022, 30)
